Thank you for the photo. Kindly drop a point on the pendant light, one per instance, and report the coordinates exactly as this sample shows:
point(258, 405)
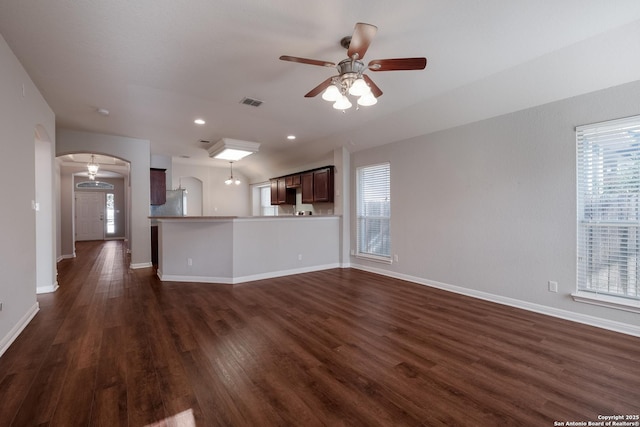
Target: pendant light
point(92, 167)
point(231, 180)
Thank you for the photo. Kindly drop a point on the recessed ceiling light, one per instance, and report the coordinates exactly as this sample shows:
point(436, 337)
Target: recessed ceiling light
point(199, 121)
point(291, 137)
point(103, 111)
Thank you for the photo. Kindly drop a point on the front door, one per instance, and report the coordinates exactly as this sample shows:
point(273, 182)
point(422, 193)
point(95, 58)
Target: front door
point(89, 215)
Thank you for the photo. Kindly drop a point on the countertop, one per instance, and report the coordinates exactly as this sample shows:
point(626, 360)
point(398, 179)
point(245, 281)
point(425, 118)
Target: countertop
point(156, 219)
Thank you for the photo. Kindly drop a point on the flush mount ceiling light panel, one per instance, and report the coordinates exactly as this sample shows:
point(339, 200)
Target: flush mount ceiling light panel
point(232, 149)
point(351, 79)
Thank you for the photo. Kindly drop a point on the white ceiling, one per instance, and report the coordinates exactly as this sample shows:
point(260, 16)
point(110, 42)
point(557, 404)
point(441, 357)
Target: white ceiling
point(156, 65)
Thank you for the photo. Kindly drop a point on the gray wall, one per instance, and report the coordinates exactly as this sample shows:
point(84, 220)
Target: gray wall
point(490, 207)
point(23, 110)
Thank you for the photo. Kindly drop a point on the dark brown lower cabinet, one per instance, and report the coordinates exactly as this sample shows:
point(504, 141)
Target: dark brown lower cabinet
point(154, 245)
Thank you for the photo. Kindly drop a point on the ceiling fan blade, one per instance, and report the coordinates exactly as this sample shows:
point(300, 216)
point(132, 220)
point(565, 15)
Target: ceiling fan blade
point(362, 36)
point(307, 61)
point(322, 86)
point(397, 64)
point(375, 90)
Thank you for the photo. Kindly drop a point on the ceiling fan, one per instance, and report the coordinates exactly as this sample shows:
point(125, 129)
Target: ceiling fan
point(351, 78)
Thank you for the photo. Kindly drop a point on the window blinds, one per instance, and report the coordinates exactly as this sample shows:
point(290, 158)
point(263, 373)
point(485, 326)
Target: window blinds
point(374, 211)
point(608, 207)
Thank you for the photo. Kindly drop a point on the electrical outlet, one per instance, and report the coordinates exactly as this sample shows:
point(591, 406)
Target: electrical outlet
point(553, 286)
point(353, 252)
point(395, 257)
point(299, 257)
point(189, 262)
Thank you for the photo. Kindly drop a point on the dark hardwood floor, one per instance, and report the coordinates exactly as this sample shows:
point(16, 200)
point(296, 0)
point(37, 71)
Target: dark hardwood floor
point(116, 347)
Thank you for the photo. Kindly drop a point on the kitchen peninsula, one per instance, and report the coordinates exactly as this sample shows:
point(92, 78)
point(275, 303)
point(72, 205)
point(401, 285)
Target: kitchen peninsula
point(232, 250)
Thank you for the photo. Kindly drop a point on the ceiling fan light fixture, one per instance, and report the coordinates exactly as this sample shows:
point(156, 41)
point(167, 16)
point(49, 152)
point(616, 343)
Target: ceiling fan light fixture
point(350, 79)
point(367, 100)
point(332, 94)
point(359, 87)
point(342, 103)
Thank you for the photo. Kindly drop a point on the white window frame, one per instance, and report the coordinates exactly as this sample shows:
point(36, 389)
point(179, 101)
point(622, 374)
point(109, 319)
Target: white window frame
point(266, 209)
point(382, 218)
point(608, 214)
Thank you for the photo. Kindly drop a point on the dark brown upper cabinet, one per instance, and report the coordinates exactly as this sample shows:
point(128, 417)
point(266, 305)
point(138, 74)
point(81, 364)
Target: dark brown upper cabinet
point(280, 194)
point(293, 181)
point(323, 185)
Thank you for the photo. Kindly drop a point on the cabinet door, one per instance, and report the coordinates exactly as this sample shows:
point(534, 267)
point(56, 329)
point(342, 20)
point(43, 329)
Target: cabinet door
point(307, 187)
point(274, 192)
point(323, 185)
point(293, 181)
point(158, 184)
point(282, 191)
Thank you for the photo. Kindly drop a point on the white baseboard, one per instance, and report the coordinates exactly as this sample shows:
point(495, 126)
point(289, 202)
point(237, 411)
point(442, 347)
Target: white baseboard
point(140, 265)
point(47, 289)
point(18, 328)
point(598, 322)
point(282, 273)
point(66, 256)
point(194, 279)
point(244, 279)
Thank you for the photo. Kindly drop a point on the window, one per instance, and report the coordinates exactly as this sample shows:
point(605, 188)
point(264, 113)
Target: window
point(94, 185)
point(111, 225)
point(374, 211)
point(265, 202)
point(608, 173)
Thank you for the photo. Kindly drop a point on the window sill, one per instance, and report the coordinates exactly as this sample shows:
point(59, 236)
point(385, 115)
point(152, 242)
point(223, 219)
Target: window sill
point(607, 301)
point(380, 259)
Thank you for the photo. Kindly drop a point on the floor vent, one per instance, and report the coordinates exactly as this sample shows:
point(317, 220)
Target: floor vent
point(250, 101)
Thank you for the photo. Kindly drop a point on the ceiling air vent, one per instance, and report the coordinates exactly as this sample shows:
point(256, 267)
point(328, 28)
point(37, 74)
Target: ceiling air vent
point(250, 101)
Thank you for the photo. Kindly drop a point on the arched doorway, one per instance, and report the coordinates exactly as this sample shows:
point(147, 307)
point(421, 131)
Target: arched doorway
point(110, 186)
point(193, 187)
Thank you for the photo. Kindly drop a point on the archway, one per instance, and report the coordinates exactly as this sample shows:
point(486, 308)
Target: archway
point(113, 182)
point(193, 187)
